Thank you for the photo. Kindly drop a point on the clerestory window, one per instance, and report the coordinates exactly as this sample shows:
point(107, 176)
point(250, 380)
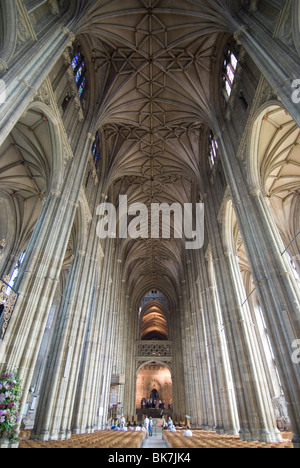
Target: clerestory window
point(79, 69)
point(16, 270)
point(229, 70)
point(213, 150)
point(96, 149)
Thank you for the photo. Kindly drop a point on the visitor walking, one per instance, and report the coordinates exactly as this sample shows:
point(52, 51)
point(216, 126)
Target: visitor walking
point(146, 425)
point(150, 427)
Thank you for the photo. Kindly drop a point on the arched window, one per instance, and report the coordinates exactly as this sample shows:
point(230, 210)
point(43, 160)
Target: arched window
point(294, 267)
point(16, 271)
point(96, 150)
point(79, 70)
point(229, 70)
point(213, 149)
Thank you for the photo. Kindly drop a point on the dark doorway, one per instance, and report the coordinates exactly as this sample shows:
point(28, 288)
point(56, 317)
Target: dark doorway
point(154, 394)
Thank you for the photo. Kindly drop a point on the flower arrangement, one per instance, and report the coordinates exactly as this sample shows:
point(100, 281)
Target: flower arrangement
point(10, 405)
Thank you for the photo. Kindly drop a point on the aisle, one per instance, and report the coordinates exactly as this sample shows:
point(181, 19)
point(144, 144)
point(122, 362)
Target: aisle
point(156, 441)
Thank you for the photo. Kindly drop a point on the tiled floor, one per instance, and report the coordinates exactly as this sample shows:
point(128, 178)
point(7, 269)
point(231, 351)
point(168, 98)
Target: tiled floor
point(156, 441)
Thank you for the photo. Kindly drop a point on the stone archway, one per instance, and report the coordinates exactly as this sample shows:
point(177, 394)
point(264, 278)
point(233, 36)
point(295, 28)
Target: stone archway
point(154, 395)
point(274, 170)
point(154, 376)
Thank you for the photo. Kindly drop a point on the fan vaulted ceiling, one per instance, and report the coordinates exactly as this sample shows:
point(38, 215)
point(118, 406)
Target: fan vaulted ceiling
point(153, 62)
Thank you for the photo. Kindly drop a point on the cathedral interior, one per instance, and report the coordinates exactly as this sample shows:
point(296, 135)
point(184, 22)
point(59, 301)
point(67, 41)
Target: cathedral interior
point(177, 103)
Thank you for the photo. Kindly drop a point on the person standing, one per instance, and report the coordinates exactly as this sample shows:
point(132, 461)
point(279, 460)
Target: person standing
point(146, 425)
point(150, 427)
point(123, 421)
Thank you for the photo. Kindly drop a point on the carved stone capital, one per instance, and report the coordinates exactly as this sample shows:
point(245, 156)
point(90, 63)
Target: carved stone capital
point(3, 65)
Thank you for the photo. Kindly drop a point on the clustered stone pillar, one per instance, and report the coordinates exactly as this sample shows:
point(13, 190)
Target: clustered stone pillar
point(273, 58)
point(217, 369)
point(120, 341)
point(179, 389)
point(225, 408)
point(197, 358)
point(26, 74)
point(256, 421)
point(278, 297)
point(131, 365)
point(41, 268)
point(249, 410)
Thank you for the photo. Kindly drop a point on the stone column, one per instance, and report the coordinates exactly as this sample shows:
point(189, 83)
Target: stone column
point(176, 336)
point(256, 423)
point(186, 352)
point(276, 60)
point(41, 268)
point(204, 385)
point(106, 329)
point(59, 389)
point(121, 338)
point(84, 414)
point(194, 360)
point(27, 73)
point(130, 365)
point(111, 334)
point(191, 347)
point(278, 297)
point(226, 420)
point(55, 401)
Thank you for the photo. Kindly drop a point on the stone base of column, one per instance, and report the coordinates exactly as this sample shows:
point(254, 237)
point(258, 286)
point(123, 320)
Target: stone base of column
point(6, 442)
point(44, 436)
point(89, 430)
point(220, 430)
point(296, 441)
point(265, 435)
point(206, 427)
point(232, 432)
point(246, 435)
point(65, 435)
point(77, 430)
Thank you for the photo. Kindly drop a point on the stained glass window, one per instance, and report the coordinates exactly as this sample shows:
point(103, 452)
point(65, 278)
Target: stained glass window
point(234, 61)
point(81, 88)
point(79, 69)
point(229, 70)
point(294, 267)
point(16, 271)
point(230, 73)
point(75, 61)
point(228, 88)
point(213, 150)
point(96, 149)
point(79, 72)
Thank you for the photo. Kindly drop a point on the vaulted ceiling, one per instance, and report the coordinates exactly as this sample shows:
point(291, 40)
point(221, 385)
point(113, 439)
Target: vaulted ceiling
point(25, 165)
point(153, 68)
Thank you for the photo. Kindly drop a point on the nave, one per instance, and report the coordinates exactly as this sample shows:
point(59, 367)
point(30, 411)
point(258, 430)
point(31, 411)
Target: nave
point(136, 440)
point(125, 106)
